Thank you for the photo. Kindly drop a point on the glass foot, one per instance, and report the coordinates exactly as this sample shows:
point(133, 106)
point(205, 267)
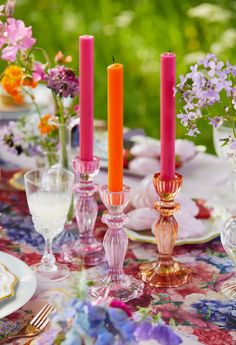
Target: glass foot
point(160, 275)
point(88, 254)
point(61, 273)
point(124, 289)
point(228, 288)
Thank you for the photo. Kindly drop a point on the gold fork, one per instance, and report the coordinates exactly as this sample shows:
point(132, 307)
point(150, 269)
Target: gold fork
point(34, 327)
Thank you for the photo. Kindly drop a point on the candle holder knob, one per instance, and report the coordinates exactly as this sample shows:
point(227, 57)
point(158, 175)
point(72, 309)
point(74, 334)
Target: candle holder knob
point(117, 284)
point(166, 272)
point(86, 249)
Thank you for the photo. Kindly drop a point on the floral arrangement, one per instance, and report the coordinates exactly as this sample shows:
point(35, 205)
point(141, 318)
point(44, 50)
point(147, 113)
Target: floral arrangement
point(22, 74)
point(209, 83)
point(104, 322)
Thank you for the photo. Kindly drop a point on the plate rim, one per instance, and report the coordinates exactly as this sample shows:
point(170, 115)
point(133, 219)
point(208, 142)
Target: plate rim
point(144, 238)
point(32, 291)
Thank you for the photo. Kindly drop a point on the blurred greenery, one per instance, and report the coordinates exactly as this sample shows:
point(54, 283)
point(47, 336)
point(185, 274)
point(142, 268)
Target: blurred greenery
point(136, 32)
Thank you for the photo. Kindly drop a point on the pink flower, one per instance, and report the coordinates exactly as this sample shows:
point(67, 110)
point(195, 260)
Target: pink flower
point(121, 305)
point(9, 8)
point(17, 37)
point(77, 108)
point(9, 53)
point(38, 72)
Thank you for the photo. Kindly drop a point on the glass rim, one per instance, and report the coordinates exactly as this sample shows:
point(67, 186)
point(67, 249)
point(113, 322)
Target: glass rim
point(104, 188)
point(27, 179)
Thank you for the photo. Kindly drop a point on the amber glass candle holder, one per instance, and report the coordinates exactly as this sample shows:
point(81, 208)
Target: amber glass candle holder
point(165, 272)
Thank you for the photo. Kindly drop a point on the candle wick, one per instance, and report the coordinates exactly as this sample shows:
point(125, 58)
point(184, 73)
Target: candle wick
point(113, 59)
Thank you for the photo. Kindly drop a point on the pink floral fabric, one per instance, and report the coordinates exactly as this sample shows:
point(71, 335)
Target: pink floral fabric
point(197, 309)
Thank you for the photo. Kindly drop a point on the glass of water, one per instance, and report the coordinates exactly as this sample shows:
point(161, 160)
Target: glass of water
point(49, 194)
point(228, 240)
point(227, 192)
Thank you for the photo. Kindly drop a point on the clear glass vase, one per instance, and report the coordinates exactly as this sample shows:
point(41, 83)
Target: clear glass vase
point(227, 193)
point(65, 143)
point(70, 232)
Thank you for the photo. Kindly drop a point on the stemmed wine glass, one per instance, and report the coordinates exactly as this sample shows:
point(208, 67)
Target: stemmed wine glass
point(228, 240)
point(227, 195)
point(49, 194)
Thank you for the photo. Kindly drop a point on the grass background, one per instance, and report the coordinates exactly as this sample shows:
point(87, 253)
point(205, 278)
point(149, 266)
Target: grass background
point(136, 32)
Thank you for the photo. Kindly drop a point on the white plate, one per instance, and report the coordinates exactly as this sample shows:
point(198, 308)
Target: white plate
point(25, 288)
point(213, 229)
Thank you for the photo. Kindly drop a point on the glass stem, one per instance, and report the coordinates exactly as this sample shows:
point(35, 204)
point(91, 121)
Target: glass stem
point(233, 180)
point(48, 259)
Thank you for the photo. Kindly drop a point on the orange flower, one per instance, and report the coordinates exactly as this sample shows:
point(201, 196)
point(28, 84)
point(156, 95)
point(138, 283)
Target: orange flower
point(45, 125)
point(29, 81)
point(13, 79)
point(11, 82)
point(61, 58)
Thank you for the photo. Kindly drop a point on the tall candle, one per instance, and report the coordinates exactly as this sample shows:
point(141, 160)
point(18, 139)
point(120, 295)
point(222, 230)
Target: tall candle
point(86, 71)
point(115, 127)
point(168, 117)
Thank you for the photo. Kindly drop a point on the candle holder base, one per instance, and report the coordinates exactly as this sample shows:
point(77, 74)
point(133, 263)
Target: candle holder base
point(160, 274)
point(86, 254)
point(228, 288)
point(124, 288)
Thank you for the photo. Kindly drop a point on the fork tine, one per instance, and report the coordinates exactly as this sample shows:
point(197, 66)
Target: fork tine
point(39, 317)
point(43, 316)
point(44, 325)
point(39, 324)
point(39, 313)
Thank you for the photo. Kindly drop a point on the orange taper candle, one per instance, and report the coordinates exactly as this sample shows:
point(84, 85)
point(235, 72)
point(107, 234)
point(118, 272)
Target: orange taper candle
point(115, 127)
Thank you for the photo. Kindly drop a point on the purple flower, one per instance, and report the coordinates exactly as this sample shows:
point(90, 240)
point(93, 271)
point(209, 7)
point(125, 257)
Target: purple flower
point(232, 144)
point(205, 85)
point(165, 336)
point(216, 121)
point(193, 130)
point(63, 81)
point(16, 37)
point(143, 331)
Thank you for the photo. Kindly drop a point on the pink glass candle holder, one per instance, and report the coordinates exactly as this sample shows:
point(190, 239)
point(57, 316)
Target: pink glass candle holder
point(165, 272)
point(87, 249)
point(116, 284)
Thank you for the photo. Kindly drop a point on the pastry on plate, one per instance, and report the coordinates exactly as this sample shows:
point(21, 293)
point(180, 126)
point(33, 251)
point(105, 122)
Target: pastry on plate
point(8, 282)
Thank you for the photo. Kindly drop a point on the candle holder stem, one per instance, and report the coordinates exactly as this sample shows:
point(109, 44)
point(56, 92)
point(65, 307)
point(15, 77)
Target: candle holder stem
point(116, 284)
point(86, 249)
point(166, 272)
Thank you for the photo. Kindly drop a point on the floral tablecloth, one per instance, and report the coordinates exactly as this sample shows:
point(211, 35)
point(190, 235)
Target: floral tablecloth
point(196, 309)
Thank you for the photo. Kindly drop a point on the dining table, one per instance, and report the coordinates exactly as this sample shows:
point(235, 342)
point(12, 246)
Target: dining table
point(196, 310)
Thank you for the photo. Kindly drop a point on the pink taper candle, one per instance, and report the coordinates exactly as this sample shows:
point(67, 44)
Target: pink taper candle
point(168, 117)
point(86, 73)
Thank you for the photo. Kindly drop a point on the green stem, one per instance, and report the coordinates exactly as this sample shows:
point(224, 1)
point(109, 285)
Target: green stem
point(44, 53)
point(63, 135)
point(33, 101)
